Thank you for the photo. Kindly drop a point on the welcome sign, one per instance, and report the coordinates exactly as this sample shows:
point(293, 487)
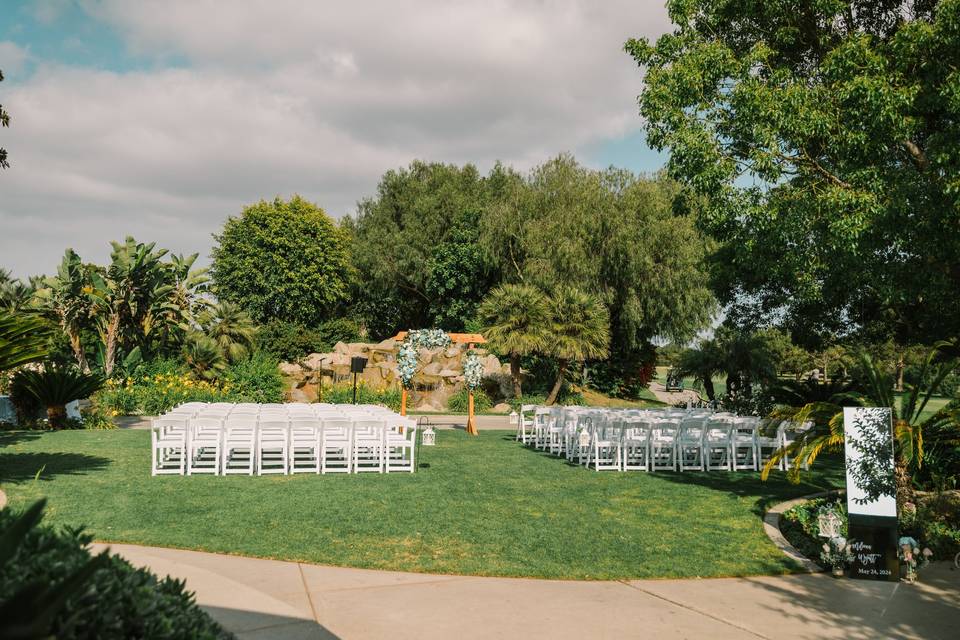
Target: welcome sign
point(871, 492)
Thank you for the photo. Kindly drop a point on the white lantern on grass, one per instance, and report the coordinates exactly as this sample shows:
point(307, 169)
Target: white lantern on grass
point(429, 437)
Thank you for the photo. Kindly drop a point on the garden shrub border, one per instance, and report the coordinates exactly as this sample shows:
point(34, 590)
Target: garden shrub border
point(771, 526)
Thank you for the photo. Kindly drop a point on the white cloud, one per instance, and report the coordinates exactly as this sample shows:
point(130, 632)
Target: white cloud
point(12, 58)
point(315, 98)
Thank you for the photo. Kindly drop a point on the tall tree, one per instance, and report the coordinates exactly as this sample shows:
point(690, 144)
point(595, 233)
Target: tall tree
point(283, 260)
point(612, 233)
point(515, 321)
point(415, 247)
point(579, 330)
point(821, 138)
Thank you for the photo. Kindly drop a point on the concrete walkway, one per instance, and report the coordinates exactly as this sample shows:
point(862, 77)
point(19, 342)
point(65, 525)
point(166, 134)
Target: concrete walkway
point(287, 600)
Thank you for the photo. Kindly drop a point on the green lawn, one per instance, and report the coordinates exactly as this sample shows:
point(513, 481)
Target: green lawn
point(482, 506)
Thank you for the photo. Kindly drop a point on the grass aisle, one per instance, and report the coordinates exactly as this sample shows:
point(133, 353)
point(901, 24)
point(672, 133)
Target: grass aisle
point(482, 506)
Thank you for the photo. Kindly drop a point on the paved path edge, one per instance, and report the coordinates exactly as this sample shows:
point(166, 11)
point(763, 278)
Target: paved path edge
point(771, 526)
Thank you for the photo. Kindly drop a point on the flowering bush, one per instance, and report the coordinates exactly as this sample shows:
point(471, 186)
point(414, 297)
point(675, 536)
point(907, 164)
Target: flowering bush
point(911, 556)
point(837, 553)
point(343, 394)
point(472, 369)
point(152, 395)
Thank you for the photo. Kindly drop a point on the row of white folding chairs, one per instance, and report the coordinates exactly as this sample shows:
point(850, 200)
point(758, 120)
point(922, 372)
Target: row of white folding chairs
point(223, 409)
point(243, 445)
point(689, 440)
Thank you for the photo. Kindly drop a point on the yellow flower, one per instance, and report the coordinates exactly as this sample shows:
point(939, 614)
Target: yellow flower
point(114, 412)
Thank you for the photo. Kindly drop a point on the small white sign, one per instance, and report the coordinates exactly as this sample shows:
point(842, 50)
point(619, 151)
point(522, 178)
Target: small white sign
point(868, 448)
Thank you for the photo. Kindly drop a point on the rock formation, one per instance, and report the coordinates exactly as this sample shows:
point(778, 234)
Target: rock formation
point(439, 376)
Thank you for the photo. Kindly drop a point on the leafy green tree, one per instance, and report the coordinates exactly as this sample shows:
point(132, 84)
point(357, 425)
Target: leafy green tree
point(608, 232)
point(415, 247)
point(515, 321)
point(744, 358)
point(68, 298)
point(132, 297)
point(579, 330)
point(821, 138)
point(232, 329)
point(283, 260)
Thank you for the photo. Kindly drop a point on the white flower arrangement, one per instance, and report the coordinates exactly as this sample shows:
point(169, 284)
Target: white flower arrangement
point(912, 557)
point(837, 552)
point(472, 370)
point(408, 356)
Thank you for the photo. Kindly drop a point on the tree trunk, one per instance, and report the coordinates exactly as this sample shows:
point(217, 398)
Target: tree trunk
point(901, 365)
point(77, 348)
point(110, 348)
point(561, 370)
point(57, 416)
point(904, 484)
point(708, 388)
point(515, 375)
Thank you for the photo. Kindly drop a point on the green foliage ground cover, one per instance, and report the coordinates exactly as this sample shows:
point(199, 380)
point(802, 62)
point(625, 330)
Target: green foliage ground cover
point(480, 506)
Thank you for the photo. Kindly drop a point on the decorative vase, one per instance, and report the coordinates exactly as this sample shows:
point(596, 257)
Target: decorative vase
point(837, 572)
point(908, 573)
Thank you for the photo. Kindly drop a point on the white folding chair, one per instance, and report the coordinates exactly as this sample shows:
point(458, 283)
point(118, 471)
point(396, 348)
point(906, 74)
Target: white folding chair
point(304, 444)
point(717, 444)
point(401, 440)
point(168, 445)
point(335, 438)
point(239, 444)
point(743, 437)
point(636, 445)
point(663, 445)
point(203, 444)
point(368, 446)
point(690, 444)
point(272, 446)
point(605, 445)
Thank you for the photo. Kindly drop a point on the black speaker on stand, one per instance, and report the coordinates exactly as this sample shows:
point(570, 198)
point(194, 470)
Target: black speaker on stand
point(357, 365)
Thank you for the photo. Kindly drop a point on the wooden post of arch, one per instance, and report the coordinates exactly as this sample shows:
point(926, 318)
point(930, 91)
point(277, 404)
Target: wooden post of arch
point(403, 400)
point(471, 420)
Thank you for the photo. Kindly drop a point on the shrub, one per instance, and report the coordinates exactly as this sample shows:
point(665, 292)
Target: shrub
point(459, 402)
point(255, 379)
point(119, 601)
point(342, 393)
point(155, 394)
point(289, 341)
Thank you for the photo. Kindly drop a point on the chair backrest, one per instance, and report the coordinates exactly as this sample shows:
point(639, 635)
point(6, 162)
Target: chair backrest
point(240, 421)
point(368, 428)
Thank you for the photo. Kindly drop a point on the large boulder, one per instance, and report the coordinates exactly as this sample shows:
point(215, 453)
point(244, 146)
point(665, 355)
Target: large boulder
point(290, 369)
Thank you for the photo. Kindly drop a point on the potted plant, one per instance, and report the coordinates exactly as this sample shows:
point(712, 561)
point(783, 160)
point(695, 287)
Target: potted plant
point(911, 558)
point(837, 554)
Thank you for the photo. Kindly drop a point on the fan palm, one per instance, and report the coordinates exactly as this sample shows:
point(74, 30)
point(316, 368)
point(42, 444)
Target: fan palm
point(231, 327)
point(203, 355)
point(702, 364)
point(55, 387)
point(579, 330)
point(908, 422)
point(23, 339)
point(515, 319)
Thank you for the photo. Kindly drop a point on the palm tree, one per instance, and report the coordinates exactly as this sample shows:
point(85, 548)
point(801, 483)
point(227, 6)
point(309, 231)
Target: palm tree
point(231, 327)
point(55, 387)
point(15, 295)
point(67, 297)
point(579, 330)
point(702, 364)
point(515, 319)
point(23, 339)
point(204, 356)
point(909, 425)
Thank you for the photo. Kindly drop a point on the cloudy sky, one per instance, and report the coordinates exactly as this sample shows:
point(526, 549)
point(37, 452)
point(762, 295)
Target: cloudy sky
point(160, 119)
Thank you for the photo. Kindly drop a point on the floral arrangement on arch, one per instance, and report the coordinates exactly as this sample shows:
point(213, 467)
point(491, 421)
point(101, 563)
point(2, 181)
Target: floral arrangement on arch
point(472, 370)
point(408, 356)
point(911, 556)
